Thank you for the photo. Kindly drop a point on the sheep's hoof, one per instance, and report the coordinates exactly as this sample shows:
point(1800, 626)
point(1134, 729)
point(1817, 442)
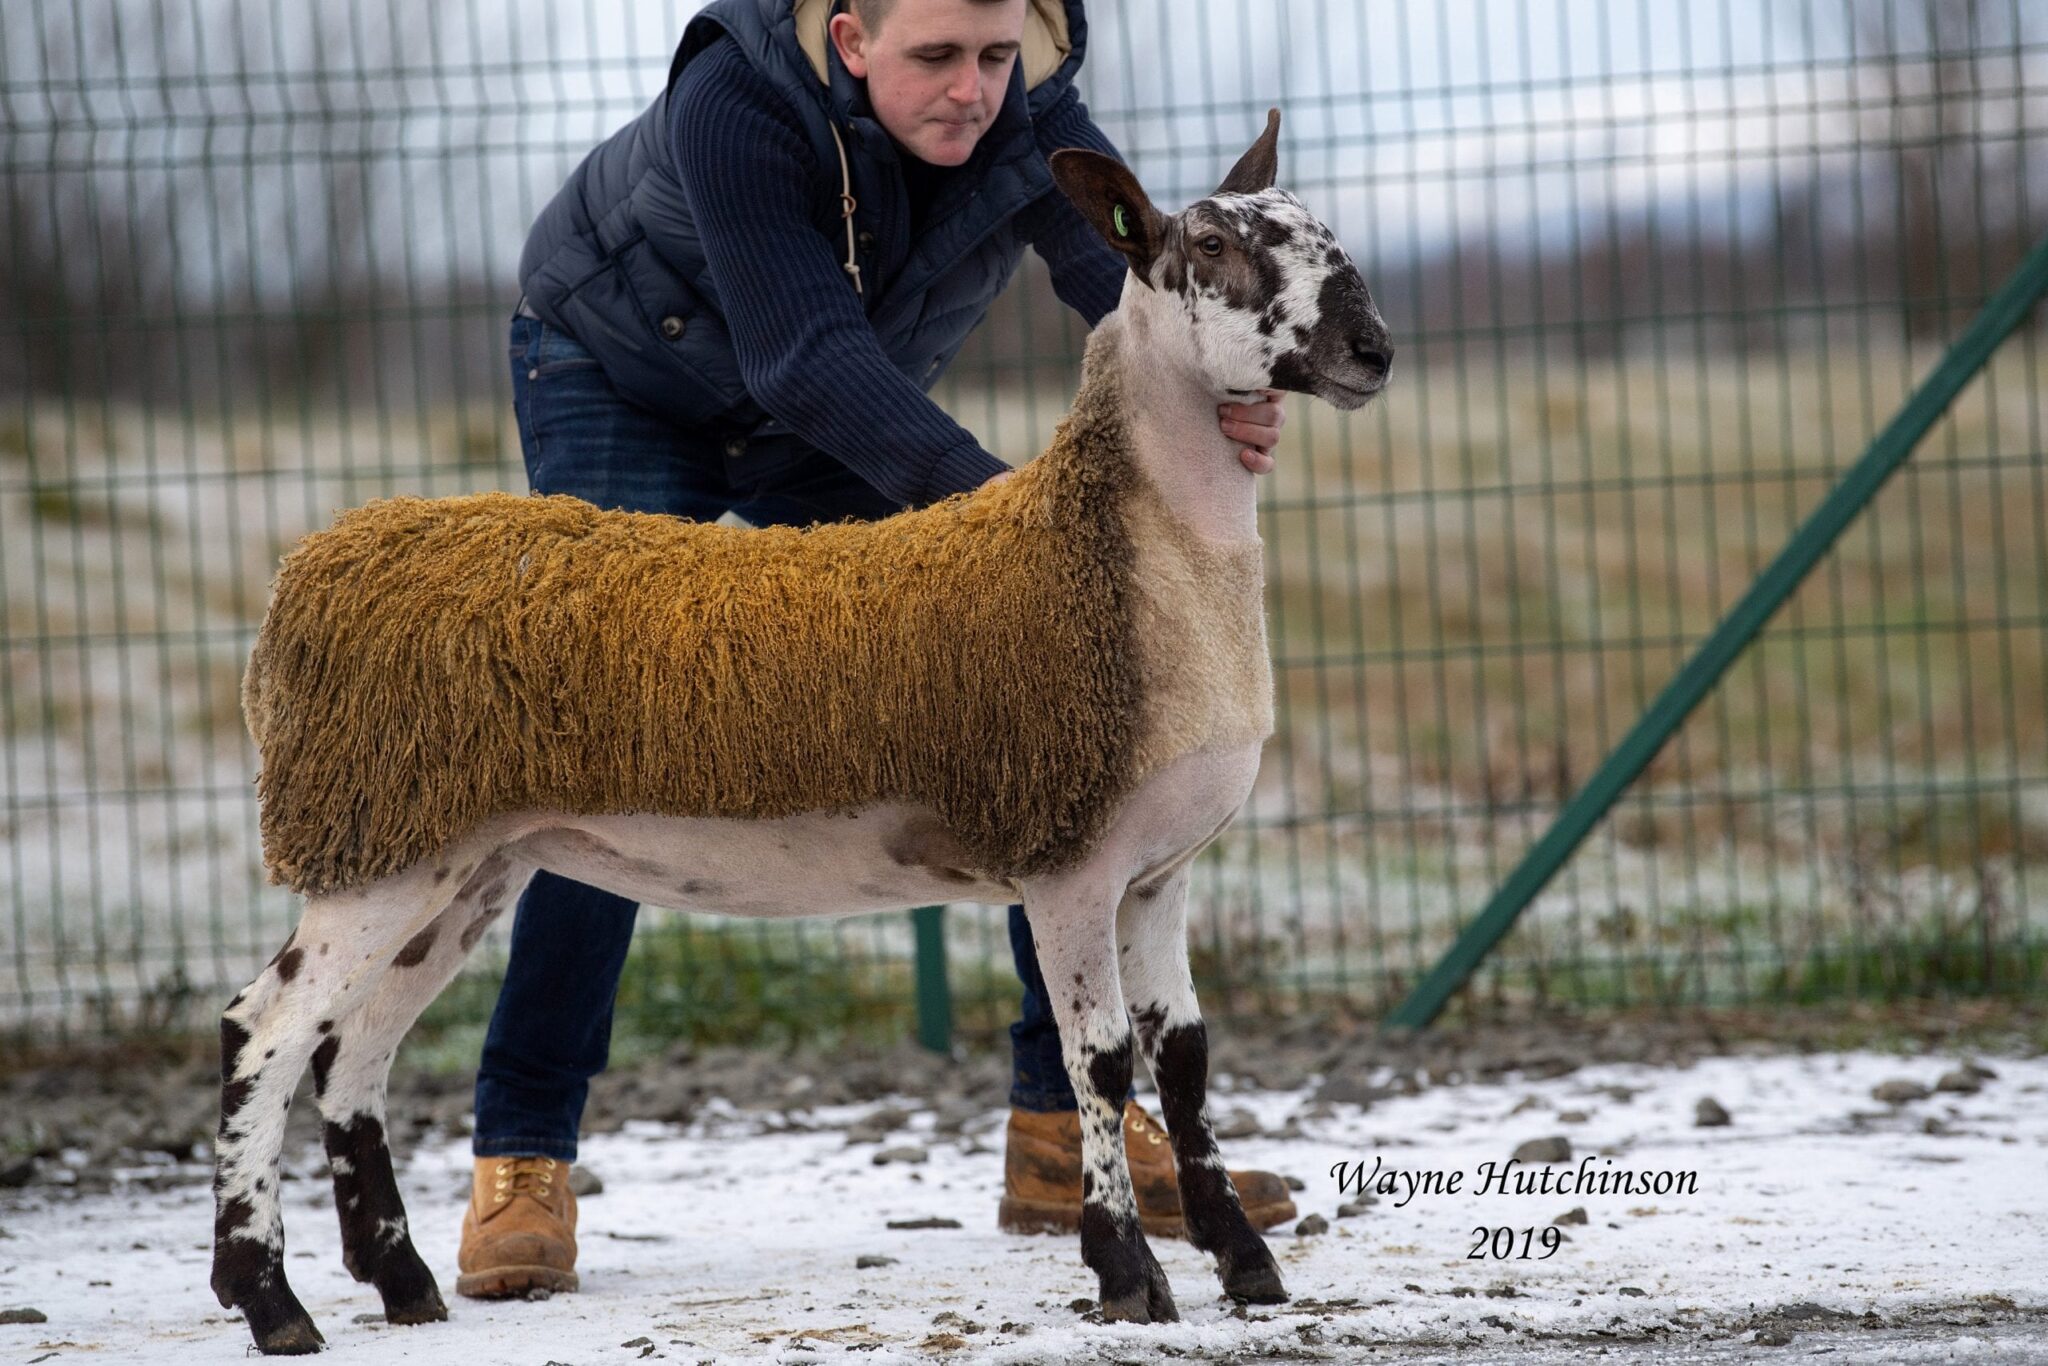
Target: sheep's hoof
point(281, 1326)
point(1251, 1277)
point(1150, 1301)
point(426, 1311)
point(410, 1295)
point(425, 1308)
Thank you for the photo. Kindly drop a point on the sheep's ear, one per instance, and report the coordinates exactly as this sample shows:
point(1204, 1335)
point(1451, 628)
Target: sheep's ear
point(1257, 168)
point(1109, 197)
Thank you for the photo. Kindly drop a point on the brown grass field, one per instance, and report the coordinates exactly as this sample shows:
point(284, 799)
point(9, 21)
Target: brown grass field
point(1474, 588)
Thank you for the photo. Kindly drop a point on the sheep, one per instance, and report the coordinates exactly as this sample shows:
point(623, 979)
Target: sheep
point(1052, 689)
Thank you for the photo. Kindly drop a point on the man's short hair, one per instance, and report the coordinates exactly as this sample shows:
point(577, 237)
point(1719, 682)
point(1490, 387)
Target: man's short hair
point(873, 12)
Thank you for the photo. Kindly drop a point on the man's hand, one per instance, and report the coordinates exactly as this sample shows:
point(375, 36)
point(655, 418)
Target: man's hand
point(1258, 426)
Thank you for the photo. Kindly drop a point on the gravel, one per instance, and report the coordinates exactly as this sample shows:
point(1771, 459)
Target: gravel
point(143, 1102)
point(1556, 1148)
point(1236, 1124)
point(1898, 1091)
point(70, 1120)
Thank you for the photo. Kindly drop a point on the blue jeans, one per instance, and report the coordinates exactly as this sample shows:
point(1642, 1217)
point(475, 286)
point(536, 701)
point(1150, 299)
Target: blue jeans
point(551, 1030)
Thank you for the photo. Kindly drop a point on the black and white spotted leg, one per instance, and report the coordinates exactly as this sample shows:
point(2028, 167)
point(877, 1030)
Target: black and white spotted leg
point(248, 1233)
point(269, 1032)
point(351, 1066)
point(1153, 949)
point(1072, 926)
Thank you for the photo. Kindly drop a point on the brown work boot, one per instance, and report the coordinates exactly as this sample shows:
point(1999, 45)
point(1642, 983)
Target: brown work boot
point(519, 1232)
point(1042, 1177)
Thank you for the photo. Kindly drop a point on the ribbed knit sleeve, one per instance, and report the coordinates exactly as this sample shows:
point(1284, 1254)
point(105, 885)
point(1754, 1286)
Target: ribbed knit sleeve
point(1087, 273)
point(806, 350)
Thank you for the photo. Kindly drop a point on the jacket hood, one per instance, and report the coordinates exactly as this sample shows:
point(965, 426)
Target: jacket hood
point(1055, 41)
point(1049, 37)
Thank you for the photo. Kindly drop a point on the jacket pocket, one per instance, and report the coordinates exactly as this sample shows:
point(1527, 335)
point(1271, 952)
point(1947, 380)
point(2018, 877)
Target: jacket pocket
point(680, 326)
point(620, 328)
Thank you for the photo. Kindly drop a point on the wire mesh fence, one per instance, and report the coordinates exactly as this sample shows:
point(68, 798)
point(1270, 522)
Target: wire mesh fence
point(1656, 273)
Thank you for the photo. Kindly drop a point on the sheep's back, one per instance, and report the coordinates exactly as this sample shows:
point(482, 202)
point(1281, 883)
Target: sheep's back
point(426, 664)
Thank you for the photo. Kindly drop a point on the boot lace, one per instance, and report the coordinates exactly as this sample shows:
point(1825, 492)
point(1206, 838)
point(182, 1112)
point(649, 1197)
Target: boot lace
point(524, 1176)
point(1141, 1123)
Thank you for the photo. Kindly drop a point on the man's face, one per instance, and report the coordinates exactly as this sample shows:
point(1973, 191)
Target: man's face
point(936, 70)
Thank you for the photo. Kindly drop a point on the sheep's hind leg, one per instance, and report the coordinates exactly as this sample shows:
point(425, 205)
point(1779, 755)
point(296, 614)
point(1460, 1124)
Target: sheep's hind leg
point(351, 1067)
point(1072, 925)
point(1152, 935)
point(269, 1032)
point(248, 1226)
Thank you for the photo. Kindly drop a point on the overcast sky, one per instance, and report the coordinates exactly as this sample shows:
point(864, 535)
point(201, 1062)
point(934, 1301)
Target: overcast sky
point(1405, 121)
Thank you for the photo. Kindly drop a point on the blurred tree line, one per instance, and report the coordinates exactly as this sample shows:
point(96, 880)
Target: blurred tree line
point(210, 200)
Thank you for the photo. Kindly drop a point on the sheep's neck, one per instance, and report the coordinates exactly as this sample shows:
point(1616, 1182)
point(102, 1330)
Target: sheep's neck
point(1176, 440)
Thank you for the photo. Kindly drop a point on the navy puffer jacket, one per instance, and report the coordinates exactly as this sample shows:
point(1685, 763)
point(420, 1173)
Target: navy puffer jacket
point(617, 260)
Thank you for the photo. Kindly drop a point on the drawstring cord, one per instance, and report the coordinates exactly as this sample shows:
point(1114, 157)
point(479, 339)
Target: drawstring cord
point(847, 205)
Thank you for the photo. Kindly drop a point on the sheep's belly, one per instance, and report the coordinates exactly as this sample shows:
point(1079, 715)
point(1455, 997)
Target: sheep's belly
point(883, 857)
point(876, 858)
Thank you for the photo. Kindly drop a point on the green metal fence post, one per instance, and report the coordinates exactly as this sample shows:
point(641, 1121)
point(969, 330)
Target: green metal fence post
point(1696, 679)
point(934, 992)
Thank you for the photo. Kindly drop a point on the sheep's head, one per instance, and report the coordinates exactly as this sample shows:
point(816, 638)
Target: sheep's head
point(1262, 295)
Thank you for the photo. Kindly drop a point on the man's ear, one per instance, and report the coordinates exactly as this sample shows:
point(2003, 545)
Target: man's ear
point(852, 41)
point(1258, 167)
point(1109, 197)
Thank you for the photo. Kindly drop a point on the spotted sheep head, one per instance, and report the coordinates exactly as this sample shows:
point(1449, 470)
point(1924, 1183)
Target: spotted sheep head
point(1265, 296)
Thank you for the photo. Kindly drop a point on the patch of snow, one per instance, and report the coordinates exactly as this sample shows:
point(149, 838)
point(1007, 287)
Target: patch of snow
point(735, 1238)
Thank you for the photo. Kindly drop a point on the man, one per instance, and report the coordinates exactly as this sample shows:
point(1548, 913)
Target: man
point(737, 303)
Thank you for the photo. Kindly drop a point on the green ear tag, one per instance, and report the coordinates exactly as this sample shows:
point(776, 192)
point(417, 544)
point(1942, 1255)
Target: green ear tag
point(1116, 216)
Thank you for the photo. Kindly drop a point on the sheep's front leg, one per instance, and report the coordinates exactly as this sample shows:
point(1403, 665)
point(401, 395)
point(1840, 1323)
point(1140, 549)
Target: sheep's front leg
point(1153, 942)
point(1073, 927)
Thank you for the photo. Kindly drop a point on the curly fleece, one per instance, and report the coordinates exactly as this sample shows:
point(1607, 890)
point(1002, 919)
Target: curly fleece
point(426, 664)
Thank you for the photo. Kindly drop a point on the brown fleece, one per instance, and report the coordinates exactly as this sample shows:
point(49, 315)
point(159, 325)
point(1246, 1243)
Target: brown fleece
point(429, 663)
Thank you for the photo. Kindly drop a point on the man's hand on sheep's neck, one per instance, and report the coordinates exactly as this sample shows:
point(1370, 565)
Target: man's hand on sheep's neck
point(1256, 424)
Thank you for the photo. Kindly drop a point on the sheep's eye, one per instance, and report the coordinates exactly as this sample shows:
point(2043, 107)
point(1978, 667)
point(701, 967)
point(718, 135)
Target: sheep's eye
point(1212, 245)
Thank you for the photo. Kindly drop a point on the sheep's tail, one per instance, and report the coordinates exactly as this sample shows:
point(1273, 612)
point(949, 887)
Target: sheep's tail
point(255, 693)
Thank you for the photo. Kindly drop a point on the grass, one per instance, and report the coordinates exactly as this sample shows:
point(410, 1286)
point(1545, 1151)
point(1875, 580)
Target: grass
point(656, 1009)
point(1507, 626)
point(1474, 587)
point(1893, 971)
point(706, 984)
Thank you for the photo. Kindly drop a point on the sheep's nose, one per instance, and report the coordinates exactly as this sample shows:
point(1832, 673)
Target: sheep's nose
point(1374, 354)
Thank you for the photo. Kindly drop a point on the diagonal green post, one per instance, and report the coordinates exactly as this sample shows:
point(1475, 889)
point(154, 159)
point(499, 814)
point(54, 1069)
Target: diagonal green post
point(2006, 310)
point(934, 992)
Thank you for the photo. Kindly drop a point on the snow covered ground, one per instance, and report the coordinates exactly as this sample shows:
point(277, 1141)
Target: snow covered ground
point(1857, 1229)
